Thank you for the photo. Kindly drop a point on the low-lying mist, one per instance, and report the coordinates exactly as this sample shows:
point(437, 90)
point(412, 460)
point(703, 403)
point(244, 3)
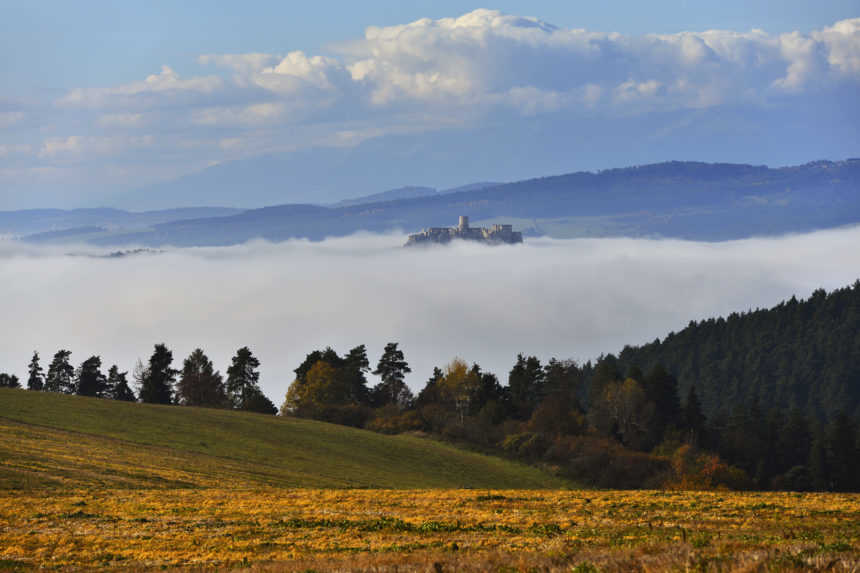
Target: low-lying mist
point(563, 298)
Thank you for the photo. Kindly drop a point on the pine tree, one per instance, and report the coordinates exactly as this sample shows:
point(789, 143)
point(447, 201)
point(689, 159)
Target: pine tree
point(843, 455)
point(60, 376)
point(662, 389)
point(158, 378)
point(117, 386)
point(819, 468)
point(35, 381)
point(606, 372)
point(392, 368)
point(430, 393)
point(355, 366)
point(525, 382)
point(90, 380)
point(199, 384)
point(260, 403)
point(694, 419)
point(242, 378)
point(9, 381)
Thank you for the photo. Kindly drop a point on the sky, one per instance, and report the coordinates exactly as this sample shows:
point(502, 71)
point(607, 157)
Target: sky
point(100, 100)
point(569, 299)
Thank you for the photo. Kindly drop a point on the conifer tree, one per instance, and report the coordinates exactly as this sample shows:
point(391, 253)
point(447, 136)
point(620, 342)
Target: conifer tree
point(158, 378)
point(843, 454)
point(199, 383)
point(392, 368)
point(60, 377)
point(430, 393)
point(260, 403)
point(9, 381)
point(117, 386)
point(525, 382)
point(355, 366)
point(694, 419)
point(819, 469)
point(35, 381)
point(90, 380)
point(662, 389)
point(242, 378)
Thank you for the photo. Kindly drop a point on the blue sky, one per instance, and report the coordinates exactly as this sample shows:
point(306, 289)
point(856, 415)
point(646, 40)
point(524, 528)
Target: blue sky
point(101, 98)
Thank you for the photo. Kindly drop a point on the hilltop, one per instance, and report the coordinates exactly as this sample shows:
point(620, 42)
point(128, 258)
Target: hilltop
point(51, 440)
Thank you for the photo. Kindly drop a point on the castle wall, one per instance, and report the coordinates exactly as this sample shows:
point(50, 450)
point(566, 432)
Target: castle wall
point(495, 234)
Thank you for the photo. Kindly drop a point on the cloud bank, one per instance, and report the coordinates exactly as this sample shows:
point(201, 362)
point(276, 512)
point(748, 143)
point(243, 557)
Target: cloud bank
point(562, 298)
point(486, 57)
point(480, 70)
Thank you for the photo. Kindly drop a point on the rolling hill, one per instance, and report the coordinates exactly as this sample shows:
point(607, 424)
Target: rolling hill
point(51, 440)
point(690, 200)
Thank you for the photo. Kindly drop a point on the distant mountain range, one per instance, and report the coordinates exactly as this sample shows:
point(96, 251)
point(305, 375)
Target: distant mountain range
point(692, 200)
point(392, 195)
point(76, 221)
point(410, 193)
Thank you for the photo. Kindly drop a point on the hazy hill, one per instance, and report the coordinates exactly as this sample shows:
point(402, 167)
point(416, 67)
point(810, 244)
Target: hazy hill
point(50, 439)
point(691, 200)
point(32, 221)
point(701, 201)
point(392, 195)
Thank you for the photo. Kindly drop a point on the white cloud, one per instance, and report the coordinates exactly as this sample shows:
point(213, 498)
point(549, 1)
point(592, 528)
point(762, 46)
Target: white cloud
point(488, 58)
point(256, 114)
point(486, 53)
point(563, 298)
point(241, 63)
point(77, 145)
point(162, 87)
point(842, 41)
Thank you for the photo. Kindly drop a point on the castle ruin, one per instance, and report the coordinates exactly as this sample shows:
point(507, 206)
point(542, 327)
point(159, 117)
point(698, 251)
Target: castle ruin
point(496, 234)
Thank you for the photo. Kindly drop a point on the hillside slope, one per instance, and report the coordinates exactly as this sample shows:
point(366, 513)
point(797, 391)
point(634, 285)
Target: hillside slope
point(49, 440)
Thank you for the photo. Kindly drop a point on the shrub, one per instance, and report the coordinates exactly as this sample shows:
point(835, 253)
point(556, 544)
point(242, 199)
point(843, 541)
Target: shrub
point(528, 445)
point(390, 420)
point(604, 463)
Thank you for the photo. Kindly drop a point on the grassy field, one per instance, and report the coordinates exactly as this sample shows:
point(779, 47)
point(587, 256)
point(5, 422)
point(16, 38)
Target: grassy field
point(429, 530)
point(92, 484)
point(50, 440)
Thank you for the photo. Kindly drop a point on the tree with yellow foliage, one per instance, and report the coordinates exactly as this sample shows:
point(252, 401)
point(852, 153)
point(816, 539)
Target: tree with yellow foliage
point(458, 385)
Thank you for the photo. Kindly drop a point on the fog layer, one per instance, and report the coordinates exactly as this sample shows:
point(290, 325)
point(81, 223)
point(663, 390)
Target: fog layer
point(563, 298)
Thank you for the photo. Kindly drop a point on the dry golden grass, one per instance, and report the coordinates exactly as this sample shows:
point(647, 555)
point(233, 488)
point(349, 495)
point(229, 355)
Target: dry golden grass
point(428, 530)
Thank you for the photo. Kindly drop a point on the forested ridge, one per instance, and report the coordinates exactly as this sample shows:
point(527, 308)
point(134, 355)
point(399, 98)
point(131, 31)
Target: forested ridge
point(800, 354)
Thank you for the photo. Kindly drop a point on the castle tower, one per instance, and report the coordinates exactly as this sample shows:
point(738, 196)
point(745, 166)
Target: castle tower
point(464, 223)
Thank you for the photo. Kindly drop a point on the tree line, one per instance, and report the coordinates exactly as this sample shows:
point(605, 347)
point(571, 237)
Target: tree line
point(612, 424)
point(156, 381)
point(593, 422)
point(725, 402)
